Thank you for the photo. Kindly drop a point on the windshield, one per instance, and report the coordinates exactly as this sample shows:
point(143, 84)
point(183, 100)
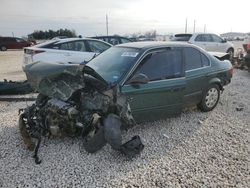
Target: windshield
point(114, 63)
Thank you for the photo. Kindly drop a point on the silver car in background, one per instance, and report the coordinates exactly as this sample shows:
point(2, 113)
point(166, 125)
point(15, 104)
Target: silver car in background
point(64, 51)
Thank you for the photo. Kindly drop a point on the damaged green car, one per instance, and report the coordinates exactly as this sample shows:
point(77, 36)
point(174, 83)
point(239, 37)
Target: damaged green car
point(142, 81)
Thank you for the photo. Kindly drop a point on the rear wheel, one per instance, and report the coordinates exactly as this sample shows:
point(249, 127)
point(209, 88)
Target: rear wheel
point(210, 98)
point(3, 48)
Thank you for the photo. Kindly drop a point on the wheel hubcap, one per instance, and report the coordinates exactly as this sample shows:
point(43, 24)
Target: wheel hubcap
point(211, 97)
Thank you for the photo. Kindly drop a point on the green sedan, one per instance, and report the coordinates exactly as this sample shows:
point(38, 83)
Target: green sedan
point(160, 78)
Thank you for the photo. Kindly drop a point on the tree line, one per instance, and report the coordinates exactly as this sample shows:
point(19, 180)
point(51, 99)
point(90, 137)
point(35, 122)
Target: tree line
point(49, 34)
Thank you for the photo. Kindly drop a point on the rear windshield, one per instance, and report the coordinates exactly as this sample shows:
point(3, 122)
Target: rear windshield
point(181, 37)
point(46, 44)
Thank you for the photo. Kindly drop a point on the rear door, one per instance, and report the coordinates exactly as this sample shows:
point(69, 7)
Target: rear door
point(196, 67)
point(162, 96)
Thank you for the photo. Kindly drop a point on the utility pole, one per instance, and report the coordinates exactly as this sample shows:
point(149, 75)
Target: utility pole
point(205, 28)
point(107, 24)
point(12, 34)
point(194, 27)
point(186, 26)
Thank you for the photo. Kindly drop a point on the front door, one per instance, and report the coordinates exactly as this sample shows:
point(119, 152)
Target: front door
point(220, 46)
point(205, 41)
point(163, 95)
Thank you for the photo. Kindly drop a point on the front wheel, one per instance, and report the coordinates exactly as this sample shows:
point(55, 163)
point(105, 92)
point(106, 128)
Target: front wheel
point(3, 48)
point(210, 98)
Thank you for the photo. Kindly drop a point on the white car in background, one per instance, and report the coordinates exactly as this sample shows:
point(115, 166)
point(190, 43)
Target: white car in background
point(208, 41)
point(64, 51)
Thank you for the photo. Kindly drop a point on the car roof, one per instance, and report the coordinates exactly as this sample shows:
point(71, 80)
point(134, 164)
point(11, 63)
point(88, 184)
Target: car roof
point(109, 36)
point(154, 44)
point(58, 41)
point(190, 34)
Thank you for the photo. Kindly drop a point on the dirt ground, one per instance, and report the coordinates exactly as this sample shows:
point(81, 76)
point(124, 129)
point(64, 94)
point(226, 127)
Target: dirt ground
point(11, 65)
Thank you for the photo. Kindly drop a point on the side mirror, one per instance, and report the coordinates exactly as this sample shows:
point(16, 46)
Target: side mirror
point(138, 79)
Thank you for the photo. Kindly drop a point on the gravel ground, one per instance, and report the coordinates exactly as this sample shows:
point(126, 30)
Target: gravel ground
point(193, 150)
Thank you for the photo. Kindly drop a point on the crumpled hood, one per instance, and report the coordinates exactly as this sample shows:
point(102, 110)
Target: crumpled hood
point(220, 55)
point(59, 80)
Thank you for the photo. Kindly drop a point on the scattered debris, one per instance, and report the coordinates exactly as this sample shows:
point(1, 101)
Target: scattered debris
point(166, 136)
point(200, 122)
point(239, 108)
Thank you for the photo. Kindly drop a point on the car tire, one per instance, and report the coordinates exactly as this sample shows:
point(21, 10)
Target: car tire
point(230, 51)
point(3, 48)
point(210, 98)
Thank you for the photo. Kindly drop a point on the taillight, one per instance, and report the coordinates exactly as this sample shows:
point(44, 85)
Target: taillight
point(248, 46)
point(32, 52)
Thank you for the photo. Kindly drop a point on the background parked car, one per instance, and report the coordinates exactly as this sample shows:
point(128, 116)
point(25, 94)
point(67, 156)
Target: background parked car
point(207, 41)
point(114, 40)
point(13, 43)
point(71, 50)
point(59, 37)
point(246, 46)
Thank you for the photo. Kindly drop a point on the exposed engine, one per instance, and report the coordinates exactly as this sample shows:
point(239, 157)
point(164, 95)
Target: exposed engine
point(83, 107)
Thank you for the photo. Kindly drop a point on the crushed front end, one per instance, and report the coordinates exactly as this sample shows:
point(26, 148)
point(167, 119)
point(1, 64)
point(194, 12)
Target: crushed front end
point(76, 101)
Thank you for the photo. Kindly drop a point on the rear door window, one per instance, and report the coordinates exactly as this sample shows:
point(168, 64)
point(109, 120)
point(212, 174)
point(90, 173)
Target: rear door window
point(123, 40)
point(216, 39)
point(205, 60)
point(204, 38)
point(162, 65)
point(97, 46)
point(114, 41)
point(194, 59)
point(71, 46)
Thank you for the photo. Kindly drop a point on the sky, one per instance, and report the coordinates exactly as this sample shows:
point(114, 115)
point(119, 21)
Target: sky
point(88, 17)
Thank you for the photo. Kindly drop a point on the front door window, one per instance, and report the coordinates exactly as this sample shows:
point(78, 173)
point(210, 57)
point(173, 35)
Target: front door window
point(161, 65)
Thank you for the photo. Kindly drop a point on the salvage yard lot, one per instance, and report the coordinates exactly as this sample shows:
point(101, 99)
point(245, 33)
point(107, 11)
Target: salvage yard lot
point(195, 149)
